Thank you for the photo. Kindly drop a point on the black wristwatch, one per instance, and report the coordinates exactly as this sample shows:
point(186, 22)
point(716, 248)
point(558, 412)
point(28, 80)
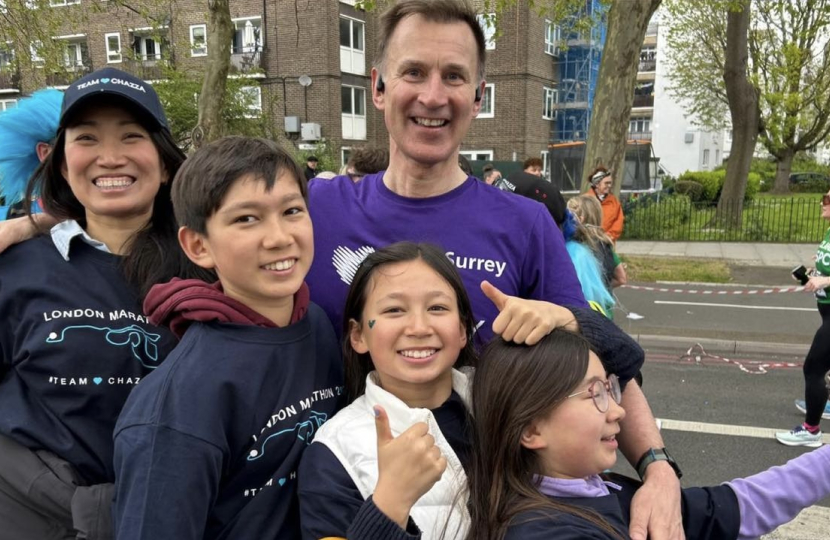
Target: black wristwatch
point(656, 454)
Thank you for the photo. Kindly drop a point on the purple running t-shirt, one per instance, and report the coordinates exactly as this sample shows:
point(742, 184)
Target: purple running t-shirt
point(507, 239)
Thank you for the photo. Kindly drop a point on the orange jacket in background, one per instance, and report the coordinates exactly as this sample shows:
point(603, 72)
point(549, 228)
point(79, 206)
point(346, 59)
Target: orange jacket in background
point(612, 217)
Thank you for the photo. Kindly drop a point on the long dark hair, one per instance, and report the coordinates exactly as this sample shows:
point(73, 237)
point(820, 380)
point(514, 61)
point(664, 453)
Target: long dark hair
point(152, 254)
point(358, 366)
point(513, 386)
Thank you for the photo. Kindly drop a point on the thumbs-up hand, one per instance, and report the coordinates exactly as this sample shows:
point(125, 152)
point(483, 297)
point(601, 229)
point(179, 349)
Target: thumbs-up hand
point(526, 321)
point(408, 466)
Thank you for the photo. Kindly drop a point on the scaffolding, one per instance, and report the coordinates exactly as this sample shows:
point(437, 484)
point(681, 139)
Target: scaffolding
point(578, 69)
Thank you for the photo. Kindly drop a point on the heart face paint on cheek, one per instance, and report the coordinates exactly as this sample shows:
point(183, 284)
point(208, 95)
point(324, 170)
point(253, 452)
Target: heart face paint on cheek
point(371, 323)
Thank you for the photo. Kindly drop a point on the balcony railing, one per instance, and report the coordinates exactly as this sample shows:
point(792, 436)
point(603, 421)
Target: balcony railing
point(639, 136)
point(643, 101)
point(245, 62)
point(149, 70)
point(9, 78)
point(63, 78)
point(647, 65)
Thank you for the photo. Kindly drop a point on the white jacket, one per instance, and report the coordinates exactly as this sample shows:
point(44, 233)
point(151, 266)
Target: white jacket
point(351, 436)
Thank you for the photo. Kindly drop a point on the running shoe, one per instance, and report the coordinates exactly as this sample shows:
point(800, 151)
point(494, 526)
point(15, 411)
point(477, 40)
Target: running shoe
point(799, 437)
point(802, 406)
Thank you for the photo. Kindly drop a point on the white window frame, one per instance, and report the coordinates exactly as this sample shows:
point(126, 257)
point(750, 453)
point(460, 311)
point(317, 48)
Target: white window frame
point(705, 160)
point(33, 49)
point(345, 154)
point(353, 119)
point(545, 154)
point(254, 109)
point(550, 97)
point(488, 29)
point(194, 49)
point(492, 101)
point(352, 59)
point(4, 104)
point(113, 57)
point(258, 45)
point(144, 35)
point(472, 154)
point(553, 36)
point(642, 123)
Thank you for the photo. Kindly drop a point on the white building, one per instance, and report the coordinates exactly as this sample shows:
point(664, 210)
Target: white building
point(678, 143)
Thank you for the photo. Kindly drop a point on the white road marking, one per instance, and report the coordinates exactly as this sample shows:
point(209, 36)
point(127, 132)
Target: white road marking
point(725, 429)
point(707, 304)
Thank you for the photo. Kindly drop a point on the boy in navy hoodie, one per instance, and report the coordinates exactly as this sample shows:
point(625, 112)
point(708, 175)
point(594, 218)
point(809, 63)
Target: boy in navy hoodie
point(208, 446)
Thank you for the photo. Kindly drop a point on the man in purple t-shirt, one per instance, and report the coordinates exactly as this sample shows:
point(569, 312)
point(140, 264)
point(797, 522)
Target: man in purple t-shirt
point(429, 91)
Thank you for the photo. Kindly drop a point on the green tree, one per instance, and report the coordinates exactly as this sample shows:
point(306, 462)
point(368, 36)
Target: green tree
point(627, 25)
point(789, 57)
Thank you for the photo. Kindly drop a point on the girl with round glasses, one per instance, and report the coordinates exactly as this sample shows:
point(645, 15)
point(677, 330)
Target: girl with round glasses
point(545, 423)
point(817, 364)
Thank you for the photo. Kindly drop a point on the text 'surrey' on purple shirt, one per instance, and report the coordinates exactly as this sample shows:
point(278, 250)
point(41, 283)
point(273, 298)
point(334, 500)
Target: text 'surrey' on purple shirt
point(488, 234)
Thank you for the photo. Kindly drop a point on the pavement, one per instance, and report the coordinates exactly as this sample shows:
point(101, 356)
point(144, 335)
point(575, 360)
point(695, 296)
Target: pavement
point(742, 253)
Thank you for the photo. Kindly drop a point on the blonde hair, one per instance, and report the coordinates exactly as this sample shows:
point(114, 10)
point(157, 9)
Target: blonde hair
point(588, 212)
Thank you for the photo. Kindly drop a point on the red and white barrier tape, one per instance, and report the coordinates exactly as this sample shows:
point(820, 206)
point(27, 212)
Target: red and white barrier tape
point(698, 355)
point(773, 290)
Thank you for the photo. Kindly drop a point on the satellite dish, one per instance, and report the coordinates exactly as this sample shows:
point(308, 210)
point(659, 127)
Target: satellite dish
point(304, 80)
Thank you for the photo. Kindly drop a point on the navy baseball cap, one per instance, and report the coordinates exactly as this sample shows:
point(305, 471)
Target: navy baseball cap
point(114, 82)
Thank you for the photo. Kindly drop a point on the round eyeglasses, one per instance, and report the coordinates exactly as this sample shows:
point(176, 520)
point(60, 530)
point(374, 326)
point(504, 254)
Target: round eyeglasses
point(599, 391)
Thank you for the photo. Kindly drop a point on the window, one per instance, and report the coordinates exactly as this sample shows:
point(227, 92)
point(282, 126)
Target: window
point(639, 124)
point(477, 155)
point(549, 112)
point(353, 108)
point(648, 59)
point(345, 154)
point(706, 158)
point(6, 104)
point(553, 36)
point(545, 164)
point(198, 40)
point(113, 48)
point(247, 35)
point(252, 96)
point(717, 157)
point(35, 48)
point(73, 55)
point(488, 102)
point(6, 56)
point(488, 25)
point(352, 46)
point(147, 47)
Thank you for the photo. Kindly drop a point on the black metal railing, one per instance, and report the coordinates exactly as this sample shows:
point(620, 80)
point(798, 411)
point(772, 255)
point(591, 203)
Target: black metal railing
point(643, 101)
point(9, 78)
point(763, 219)
point(149, 70)
point(69, 74)
point(245, 62)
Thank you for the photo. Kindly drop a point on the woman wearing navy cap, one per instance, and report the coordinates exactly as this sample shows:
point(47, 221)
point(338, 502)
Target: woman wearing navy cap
point(74, 342)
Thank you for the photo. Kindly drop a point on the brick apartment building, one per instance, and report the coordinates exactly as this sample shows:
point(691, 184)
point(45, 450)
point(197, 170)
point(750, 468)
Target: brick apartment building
point(308, 65)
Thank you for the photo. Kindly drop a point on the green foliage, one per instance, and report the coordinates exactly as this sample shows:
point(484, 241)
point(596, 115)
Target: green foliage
point(691, 189)
point(712, 184)
point(764, 219)
point(179, 93)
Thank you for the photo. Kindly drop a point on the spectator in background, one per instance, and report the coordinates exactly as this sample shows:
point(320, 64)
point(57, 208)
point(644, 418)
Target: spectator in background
point(588, 212)
point(365, 161)
point(612, 215)
point(310, 167)
point(533, 166)
point(26, 134)
point(491, 175)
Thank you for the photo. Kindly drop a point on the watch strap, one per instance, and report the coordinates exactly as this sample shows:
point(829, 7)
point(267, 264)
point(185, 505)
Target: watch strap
point(656, 454)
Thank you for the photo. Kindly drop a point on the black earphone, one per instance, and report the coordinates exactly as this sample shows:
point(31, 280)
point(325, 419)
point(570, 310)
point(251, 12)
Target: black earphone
point(380, 86)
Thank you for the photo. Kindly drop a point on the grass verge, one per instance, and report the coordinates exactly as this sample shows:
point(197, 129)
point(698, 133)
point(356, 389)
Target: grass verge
point(649, 269)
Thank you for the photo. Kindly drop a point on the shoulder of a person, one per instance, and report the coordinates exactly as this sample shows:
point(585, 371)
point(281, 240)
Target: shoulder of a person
point(345, 421)
point(338, 184)
point(39, 248)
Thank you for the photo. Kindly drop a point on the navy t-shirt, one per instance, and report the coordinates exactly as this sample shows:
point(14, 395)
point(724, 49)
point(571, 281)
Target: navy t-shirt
point(208, 446)
point(73, 344)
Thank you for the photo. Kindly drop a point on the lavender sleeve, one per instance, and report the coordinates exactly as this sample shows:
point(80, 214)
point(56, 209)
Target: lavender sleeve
point(775, 496)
